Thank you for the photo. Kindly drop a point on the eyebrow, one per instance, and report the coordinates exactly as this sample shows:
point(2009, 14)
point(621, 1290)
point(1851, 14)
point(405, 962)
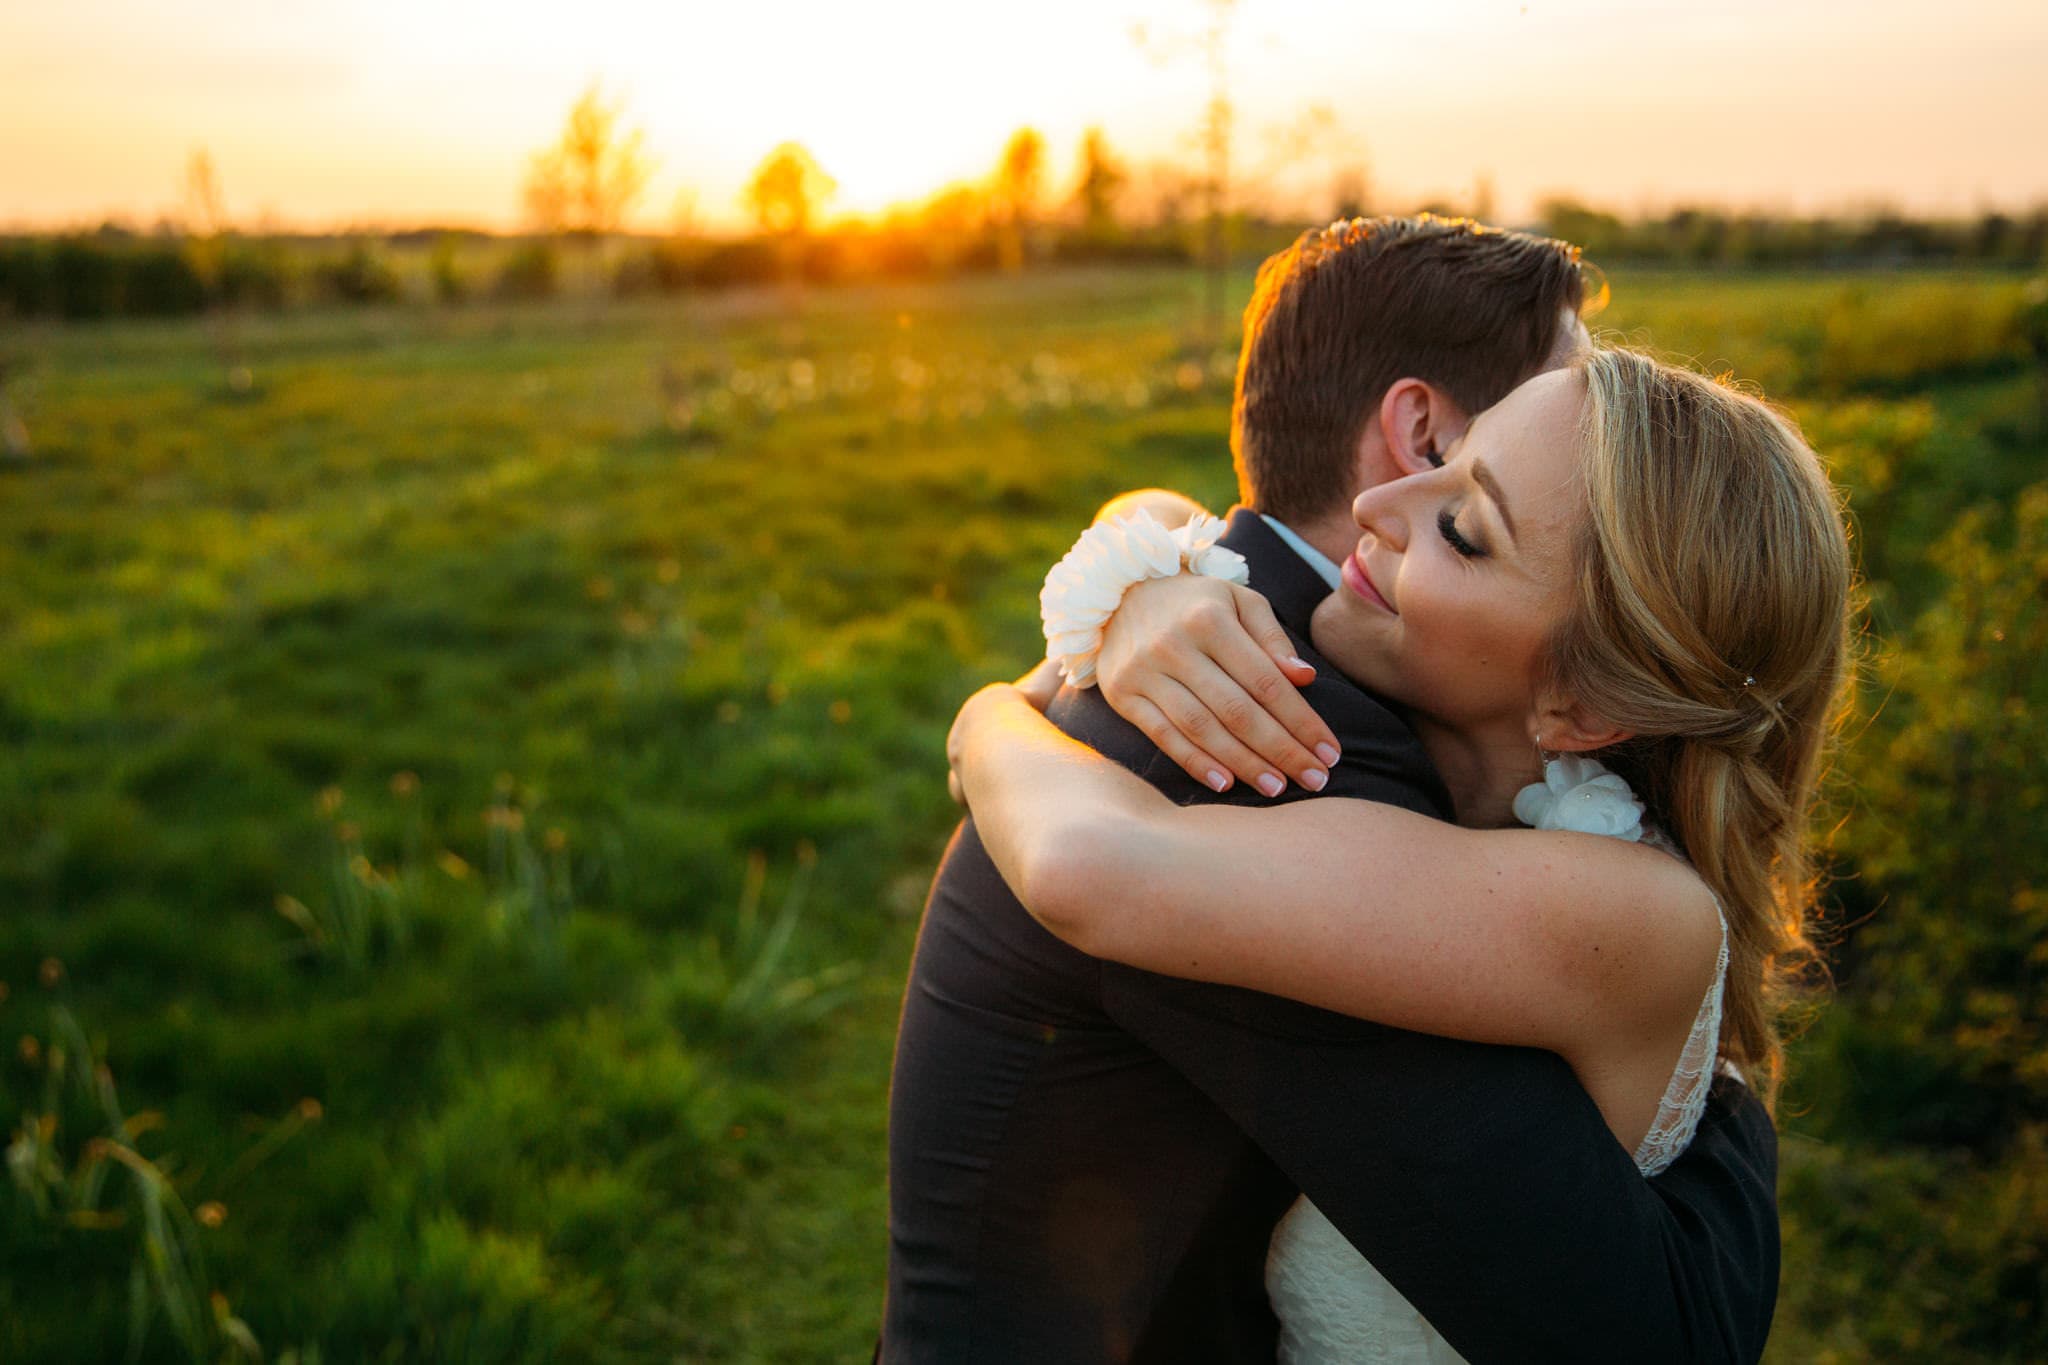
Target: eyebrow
point(1483, 476)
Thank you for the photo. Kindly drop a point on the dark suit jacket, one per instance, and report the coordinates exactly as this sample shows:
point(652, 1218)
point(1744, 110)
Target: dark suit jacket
point(1086, 1160)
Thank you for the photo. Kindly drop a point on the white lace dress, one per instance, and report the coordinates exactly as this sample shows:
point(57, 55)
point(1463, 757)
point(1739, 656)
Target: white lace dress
point(1336, 1309)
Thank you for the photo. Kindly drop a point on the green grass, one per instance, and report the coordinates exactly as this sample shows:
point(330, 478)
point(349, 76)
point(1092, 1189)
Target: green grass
point(475, 790)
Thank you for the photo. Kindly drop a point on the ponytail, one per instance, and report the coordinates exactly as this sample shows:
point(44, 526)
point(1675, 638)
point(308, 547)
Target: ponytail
point(1709, 620)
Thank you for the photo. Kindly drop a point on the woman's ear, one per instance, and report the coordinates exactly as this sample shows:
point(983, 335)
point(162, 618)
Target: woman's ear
point(1562, 725)
point(1418, 422)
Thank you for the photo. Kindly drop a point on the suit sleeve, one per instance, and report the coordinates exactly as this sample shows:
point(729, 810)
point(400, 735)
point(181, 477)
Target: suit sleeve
point(1482, 1181)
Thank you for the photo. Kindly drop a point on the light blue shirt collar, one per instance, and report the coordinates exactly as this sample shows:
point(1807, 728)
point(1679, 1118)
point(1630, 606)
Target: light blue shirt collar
point(1325, 567)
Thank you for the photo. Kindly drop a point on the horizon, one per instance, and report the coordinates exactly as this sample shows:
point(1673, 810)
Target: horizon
point(429, 119)
point(1846, 215)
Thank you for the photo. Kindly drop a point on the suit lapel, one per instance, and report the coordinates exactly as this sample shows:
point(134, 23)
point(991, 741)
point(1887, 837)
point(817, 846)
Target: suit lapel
point(1279, 575)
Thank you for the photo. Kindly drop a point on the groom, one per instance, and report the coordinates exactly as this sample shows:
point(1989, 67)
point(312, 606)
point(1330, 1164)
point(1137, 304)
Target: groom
point(1086, 1160)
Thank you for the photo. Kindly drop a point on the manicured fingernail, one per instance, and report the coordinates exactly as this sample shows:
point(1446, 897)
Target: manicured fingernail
point(1219, 779)
point(1328, 753)
point(1293, 662)
point(1315, 779)
point(1270, 784)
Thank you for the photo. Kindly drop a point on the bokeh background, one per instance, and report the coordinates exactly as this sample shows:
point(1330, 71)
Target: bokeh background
point(498, 505)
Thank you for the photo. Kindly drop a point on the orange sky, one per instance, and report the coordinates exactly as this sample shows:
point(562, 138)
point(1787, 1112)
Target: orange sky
point(326, 112)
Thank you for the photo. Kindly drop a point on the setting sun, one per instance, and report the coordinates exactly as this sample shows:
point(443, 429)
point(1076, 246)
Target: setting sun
point(391, 112)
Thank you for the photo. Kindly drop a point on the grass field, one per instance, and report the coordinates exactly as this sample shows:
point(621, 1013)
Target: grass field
point(464, 801)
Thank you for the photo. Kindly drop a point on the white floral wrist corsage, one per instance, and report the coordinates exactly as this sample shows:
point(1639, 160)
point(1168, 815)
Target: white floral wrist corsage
point(1085, 588)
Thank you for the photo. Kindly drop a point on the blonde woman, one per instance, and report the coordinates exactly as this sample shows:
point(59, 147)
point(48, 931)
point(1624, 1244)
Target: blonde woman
point(1621, 563)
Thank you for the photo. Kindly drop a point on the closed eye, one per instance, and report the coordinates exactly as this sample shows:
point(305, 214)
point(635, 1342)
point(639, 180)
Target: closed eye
point(1447, 526)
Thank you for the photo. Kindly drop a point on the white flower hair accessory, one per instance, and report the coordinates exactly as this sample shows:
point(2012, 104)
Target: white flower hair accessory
point(1086, 587)
point(1583, 795)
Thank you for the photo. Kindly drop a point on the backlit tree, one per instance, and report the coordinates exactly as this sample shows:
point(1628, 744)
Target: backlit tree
point(1219, 114)
point(787, 191)
point(1019, 184)
point(205, 247)
point(1099, 185)
point(588, 180)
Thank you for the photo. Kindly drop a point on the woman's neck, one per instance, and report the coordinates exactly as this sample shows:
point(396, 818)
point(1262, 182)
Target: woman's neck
point(1482, 769)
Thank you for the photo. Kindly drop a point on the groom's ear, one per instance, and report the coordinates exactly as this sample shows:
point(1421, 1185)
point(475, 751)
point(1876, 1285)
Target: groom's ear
point(1563, 726)
point(1418, 422)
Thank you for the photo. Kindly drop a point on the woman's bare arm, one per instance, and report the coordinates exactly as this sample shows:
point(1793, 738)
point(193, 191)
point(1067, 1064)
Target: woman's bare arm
point(1562, 941)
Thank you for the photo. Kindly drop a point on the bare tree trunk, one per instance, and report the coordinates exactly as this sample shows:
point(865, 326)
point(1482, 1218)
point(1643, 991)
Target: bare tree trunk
point(1215, 270)
point(1211, 43)
point(1216, 148)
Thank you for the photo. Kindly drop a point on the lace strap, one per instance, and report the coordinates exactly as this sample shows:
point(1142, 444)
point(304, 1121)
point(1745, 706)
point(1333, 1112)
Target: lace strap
point(1581, 794)
point(1685, 1098)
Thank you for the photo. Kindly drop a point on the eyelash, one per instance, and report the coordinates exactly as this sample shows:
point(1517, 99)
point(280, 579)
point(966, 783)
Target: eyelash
point(1447, 526)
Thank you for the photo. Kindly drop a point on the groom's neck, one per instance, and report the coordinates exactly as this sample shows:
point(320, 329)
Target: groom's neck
point(1334, 533)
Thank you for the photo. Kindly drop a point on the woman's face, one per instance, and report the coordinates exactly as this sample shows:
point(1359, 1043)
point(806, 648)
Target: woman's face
point(1461, 573)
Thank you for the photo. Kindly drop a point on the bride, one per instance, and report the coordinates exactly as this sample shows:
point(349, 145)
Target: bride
point(1622, 566)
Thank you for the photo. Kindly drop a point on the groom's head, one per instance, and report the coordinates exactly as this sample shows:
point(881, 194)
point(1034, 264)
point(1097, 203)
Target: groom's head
point(1371, 343)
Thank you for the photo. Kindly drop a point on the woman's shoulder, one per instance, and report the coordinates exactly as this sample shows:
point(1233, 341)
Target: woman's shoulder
point(1669, 886)
point(1635, 924)
point(1646, 884)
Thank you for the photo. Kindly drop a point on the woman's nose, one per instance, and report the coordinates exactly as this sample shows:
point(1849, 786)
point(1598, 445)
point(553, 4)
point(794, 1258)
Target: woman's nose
point(1378, 510)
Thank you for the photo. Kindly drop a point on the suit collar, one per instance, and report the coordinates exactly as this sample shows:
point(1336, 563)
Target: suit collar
point(1280, 575)
point(1326, 568)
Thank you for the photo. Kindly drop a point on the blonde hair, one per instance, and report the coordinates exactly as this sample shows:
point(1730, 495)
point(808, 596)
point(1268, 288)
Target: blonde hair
point(1709, 619)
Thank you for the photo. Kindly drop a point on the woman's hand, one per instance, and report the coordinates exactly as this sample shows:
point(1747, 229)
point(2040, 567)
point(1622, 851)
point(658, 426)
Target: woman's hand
point(1041, 684)
point(1207, 672)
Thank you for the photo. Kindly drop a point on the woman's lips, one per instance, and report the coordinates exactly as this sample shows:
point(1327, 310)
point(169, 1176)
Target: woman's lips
point(1355, 578)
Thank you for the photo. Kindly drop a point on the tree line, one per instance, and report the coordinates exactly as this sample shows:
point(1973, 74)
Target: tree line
point(579, 191)
point(117, 271)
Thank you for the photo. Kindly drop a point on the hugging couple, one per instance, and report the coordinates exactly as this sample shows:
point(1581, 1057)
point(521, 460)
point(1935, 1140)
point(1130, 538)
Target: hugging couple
point(1370, 952)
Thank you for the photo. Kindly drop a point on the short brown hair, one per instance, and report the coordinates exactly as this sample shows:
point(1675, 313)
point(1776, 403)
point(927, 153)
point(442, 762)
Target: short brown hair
point(1348, 309)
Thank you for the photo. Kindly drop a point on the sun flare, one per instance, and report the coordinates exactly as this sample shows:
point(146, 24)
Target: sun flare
point(325, 114)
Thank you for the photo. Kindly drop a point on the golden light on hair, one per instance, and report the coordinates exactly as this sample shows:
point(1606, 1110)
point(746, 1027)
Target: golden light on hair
point(1593, 290)
point(1710, 620)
